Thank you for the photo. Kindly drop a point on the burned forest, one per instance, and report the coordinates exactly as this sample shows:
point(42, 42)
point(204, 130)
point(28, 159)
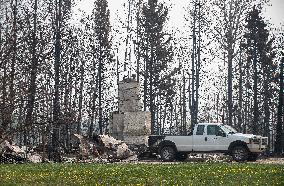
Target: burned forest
point(85, 78)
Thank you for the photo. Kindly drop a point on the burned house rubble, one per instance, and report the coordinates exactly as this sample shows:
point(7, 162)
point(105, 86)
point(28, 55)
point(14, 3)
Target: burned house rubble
point(11, 153)
point(128, 137)
point(102, 148)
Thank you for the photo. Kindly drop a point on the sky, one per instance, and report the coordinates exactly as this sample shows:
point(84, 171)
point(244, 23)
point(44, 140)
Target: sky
point(274, 13)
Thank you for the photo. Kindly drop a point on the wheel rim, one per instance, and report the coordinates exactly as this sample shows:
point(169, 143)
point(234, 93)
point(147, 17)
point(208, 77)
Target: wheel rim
point(239, 154)
point(167, 153)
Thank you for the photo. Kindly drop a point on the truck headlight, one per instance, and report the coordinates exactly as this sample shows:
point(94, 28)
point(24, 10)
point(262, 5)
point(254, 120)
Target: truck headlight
point(254, 140)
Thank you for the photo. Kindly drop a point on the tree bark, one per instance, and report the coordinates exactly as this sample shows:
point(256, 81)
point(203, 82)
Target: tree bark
point(278, 149)
point(33, 76)
point(9, 104)
point(56, 103)
point(255, 123)
point(240, 99)
point(193, 62)
point(230, 87)
point(79, 120)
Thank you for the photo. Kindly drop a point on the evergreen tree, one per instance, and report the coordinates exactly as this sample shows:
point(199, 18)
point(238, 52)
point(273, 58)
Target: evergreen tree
point(260, 55)
point(157, 53)
point(279, 127)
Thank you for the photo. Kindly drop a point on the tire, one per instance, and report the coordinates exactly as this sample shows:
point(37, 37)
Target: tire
point(240, 153)
point(181, 156)
point(252, 157)
point(167, 153)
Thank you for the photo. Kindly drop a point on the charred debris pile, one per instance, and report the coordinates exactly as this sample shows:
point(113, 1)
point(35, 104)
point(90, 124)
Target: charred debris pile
point(102, 148)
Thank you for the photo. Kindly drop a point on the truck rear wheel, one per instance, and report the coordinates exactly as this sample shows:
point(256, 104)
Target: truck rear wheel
point(167, 153)
point(240, 153)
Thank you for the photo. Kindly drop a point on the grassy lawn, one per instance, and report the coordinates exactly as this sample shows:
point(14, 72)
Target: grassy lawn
point(142, 174)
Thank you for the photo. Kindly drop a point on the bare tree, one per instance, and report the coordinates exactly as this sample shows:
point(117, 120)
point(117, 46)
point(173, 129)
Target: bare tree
point(228, 29)
point(33, 74)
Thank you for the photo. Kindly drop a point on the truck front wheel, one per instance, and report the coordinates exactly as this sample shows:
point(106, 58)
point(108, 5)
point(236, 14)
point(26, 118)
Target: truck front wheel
point(167, 153)
point(240, 153)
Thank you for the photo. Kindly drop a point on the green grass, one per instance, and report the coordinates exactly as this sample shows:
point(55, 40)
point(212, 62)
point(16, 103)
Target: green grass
point(142, 174)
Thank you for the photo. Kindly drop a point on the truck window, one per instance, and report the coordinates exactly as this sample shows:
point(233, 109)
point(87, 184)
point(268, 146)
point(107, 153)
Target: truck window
point(200, 130)
point(212, 130)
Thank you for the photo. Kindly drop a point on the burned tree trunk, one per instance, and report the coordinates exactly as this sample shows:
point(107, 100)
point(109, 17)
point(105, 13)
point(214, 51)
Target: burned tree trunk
point(278, 149)
point(9, 79)
point(56, 103)
point(240, 96)
point(33, 77)
point(79, 120)
point(255, 93)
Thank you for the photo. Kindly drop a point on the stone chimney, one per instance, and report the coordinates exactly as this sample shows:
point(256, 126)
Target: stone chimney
point(130, 123)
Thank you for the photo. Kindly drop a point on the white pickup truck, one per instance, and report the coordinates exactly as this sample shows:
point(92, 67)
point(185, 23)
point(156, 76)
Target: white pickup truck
point(209, 138)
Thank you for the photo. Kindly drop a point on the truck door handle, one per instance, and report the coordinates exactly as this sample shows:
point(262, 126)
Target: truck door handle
point(205, 138)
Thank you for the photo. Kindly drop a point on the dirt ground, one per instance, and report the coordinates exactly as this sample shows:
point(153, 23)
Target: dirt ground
point(270, 161)
point(279, 161)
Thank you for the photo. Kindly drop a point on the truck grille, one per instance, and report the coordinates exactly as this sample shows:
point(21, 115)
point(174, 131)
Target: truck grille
point(264, 141)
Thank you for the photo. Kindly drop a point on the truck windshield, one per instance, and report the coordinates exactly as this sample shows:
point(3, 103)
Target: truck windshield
point(228, 129)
